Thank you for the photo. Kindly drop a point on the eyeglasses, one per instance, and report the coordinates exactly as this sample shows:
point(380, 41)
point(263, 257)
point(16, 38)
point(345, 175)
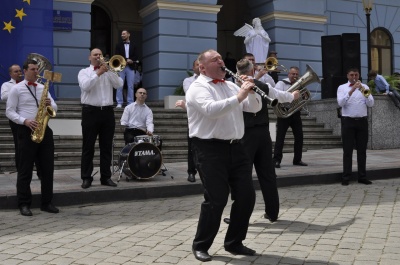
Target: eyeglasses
point(144, 93)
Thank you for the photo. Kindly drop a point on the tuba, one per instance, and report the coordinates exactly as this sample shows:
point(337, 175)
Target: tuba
point(284, 110)
point(43, 64)
point(44, 112)
point(116, 63)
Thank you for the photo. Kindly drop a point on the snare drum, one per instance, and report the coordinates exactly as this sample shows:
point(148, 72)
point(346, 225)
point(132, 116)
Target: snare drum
point(140, 161)
point(155, 139)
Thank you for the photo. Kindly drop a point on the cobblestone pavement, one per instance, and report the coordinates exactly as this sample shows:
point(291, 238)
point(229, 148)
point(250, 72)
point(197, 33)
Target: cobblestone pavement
point(320, 224)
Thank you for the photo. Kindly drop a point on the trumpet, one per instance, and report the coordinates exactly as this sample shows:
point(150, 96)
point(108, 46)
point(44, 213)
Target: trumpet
point(363, 90)
point(256, 89)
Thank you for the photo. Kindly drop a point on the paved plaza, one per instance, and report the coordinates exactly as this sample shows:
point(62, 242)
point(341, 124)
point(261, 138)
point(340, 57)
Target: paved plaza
point(318, 224)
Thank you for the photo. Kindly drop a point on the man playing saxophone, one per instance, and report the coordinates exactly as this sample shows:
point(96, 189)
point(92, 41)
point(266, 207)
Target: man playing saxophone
point(24, 101)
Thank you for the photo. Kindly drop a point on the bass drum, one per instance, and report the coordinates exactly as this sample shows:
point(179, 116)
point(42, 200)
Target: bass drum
point(140, 161)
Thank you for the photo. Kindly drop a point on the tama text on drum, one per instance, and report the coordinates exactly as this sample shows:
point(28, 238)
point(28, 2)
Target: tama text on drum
point(144, 153)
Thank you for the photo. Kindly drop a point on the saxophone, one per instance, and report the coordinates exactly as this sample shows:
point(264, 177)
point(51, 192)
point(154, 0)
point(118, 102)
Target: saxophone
point(44, 112)
point(43, 115)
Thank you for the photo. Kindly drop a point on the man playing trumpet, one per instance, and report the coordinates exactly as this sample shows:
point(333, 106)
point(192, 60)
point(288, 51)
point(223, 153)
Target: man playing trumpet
point(354, 105)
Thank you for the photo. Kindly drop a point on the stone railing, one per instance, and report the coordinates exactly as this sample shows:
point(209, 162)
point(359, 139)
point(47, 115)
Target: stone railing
point(383, 120)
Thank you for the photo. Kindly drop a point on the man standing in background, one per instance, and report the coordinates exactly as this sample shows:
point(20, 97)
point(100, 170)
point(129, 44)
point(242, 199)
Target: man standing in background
point(126, 49)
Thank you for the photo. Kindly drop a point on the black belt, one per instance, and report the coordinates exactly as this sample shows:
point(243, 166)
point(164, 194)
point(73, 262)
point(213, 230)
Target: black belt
point(354, 118)
point(97, 107)
point(233, 141)
point(134, 129)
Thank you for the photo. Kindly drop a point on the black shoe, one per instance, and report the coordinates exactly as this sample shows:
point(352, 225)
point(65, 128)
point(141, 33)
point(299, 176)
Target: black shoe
point(86, 183)
point(300, 163)
point(50, 208)
point(25, 211)
point(227, 221)
point(241, 250)
point(277, 164)
point(365, 181)
point(108, 182)
point(201, 255)
point(345, 183)
point(266, 216)
point(191, 178)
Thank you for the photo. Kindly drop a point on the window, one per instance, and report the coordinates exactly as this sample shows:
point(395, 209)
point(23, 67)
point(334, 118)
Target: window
point(381, 51)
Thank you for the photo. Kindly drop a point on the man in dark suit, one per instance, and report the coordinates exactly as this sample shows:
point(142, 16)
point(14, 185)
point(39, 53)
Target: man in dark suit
point(126, 49)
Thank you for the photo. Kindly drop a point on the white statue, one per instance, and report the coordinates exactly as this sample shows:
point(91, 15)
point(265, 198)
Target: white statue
point(256, 40)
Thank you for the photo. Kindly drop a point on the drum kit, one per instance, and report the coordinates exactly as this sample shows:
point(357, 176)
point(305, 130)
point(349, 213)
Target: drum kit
point(141, 159)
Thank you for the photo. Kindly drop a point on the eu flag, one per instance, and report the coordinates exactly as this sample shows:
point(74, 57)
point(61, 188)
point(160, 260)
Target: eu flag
point(26, 27)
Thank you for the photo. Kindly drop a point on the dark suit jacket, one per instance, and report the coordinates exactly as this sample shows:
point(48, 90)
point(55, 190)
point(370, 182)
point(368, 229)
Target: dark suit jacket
point(120, 50)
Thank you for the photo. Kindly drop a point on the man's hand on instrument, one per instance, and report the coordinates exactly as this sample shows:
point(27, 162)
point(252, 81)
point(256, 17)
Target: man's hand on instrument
point(245, 89)
point(31, 124)
point(149, 133)
point(296, 94)
point(247, 78)
point(103, 68)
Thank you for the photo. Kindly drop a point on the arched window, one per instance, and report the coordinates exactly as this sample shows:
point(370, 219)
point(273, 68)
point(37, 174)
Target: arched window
point(381, 51)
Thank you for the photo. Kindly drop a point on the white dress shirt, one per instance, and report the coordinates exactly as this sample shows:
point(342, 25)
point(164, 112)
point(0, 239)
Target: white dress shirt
point(126, 46)
point(21, 104)
point(188, 81)
point(355, 105)
point(6, 87)
point(97, 90)
point(138, 116)
point(266, 79)
point(214, 110)
point(282, 85)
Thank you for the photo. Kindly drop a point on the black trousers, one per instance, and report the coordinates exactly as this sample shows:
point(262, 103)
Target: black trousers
point(395, 96)
point(283, 125)
point(223, 167)
point(354, 131)
point(258, 145)
point(14, 131)
point(28, 152)
point(101, 123)
point(191, 164)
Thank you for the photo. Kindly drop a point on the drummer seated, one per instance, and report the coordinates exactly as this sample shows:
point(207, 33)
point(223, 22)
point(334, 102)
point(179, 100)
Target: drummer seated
point(138, 118)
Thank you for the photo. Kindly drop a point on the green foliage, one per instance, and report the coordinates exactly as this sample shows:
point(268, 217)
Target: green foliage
point(393, 81)
point(179, 90)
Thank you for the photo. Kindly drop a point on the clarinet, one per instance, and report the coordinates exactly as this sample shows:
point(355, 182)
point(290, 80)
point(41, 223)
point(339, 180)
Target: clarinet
point(256, 89)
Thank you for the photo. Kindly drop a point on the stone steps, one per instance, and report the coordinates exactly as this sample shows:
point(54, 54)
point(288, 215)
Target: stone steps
point(170, 125)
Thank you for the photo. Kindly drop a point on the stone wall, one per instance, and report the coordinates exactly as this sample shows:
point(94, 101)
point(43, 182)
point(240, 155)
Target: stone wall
point(383, 119)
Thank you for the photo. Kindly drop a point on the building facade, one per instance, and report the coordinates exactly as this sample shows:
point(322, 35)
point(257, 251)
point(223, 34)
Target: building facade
point(170, 34)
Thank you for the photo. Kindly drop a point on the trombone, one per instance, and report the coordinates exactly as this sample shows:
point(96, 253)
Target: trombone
point(271, 64)
point(116, 63)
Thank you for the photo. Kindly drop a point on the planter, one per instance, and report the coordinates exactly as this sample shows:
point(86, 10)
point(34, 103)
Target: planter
point(169, 101)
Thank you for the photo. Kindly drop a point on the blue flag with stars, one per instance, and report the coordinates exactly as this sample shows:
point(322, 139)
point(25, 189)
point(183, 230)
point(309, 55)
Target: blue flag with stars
point(26, 27)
